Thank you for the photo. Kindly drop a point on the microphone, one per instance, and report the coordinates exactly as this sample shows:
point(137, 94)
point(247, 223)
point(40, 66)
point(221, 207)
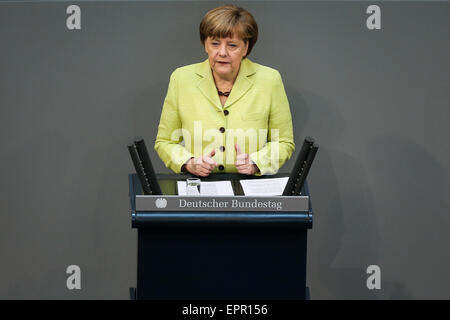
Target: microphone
point(144, 167)
point(301, 169)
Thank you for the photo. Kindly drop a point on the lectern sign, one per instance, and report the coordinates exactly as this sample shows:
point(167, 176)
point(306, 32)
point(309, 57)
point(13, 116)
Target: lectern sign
point(225, 203)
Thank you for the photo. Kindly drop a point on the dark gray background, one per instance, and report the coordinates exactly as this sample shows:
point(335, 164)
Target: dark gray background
point(377, 102)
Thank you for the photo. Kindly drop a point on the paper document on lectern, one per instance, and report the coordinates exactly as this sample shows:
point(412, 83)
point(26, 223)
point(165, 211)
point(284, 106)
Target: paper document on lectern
point(209, 188)
point(264, 187)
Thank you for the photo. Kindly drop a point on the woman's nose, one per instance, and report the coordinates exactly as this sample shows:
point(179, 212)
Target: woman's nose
point(223, 50)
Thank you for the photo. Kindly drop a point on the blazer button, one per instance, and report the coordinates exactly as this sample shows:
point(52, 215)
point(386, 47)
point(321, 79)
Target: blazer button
point(226, 112)
point(222, 129)
point(221, 167)
point(222, 148)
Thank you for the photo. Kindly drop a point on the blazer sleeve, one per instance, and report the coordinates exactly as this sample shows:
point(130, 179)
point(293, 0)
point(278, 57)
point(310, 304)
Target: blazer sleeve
point(280, 138)
point(169, 140)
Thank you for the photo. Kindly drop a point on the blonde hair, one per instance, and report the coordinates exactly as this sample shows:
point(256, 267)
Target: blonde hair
point(225, 21)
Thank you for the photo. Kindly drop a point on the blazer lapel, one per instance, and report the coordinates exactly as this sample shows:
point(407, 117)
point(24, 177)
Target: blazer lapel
point(242, 83)
point(206, 84)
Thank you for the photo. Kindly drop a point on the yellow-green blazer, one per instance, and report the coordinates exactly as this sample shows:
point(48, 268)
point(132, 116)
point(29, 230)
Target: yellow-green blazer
point(256, 115)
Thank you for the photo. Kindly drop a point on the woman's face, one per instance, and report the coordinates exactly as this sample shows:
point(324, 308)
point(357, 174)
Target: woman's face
point(225, 55)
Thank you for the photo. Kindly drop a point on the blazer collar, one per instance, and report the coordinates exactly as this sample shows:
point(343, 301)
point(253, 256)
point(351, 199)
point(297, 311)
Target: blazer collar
point(242, 84)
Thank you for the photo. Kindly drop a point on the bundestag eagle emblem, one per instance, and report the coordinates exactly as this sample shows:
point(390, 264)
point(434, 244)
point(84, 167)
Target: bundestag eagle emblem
point(161, 203)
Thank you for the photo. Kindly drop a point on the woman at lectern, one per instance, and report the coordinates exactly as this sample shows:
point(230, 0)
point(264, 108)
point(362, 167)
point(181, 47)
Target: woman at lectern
point(227, 113)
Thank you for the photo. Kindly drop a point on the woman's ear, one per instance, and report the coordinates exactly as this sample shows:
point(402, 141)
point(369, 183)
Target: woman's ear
point(246, 49)
point(204, 45)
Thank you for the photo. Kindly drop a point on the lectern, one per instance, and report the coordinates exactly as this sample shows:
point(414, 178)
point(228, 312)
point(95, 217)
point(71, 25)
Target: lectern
point(211, 251)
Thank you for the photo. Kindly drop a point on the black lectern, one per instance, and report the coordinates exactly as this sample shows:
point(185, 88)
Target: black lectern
point(212, 255)
point(216, 250)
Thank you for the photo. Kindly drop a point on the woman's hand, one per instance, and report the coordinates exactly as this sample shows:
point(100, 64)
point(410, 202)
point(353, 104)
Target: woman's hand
point(243, 163)
point(202, 166)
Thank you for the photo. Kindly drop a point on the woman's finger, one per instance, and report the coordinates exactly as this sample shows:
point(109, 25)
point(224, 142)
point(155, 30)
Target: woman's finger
point(205, 171)
point(207, 167)
point(209, 161)
point(240, 165)
point(242, 158)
